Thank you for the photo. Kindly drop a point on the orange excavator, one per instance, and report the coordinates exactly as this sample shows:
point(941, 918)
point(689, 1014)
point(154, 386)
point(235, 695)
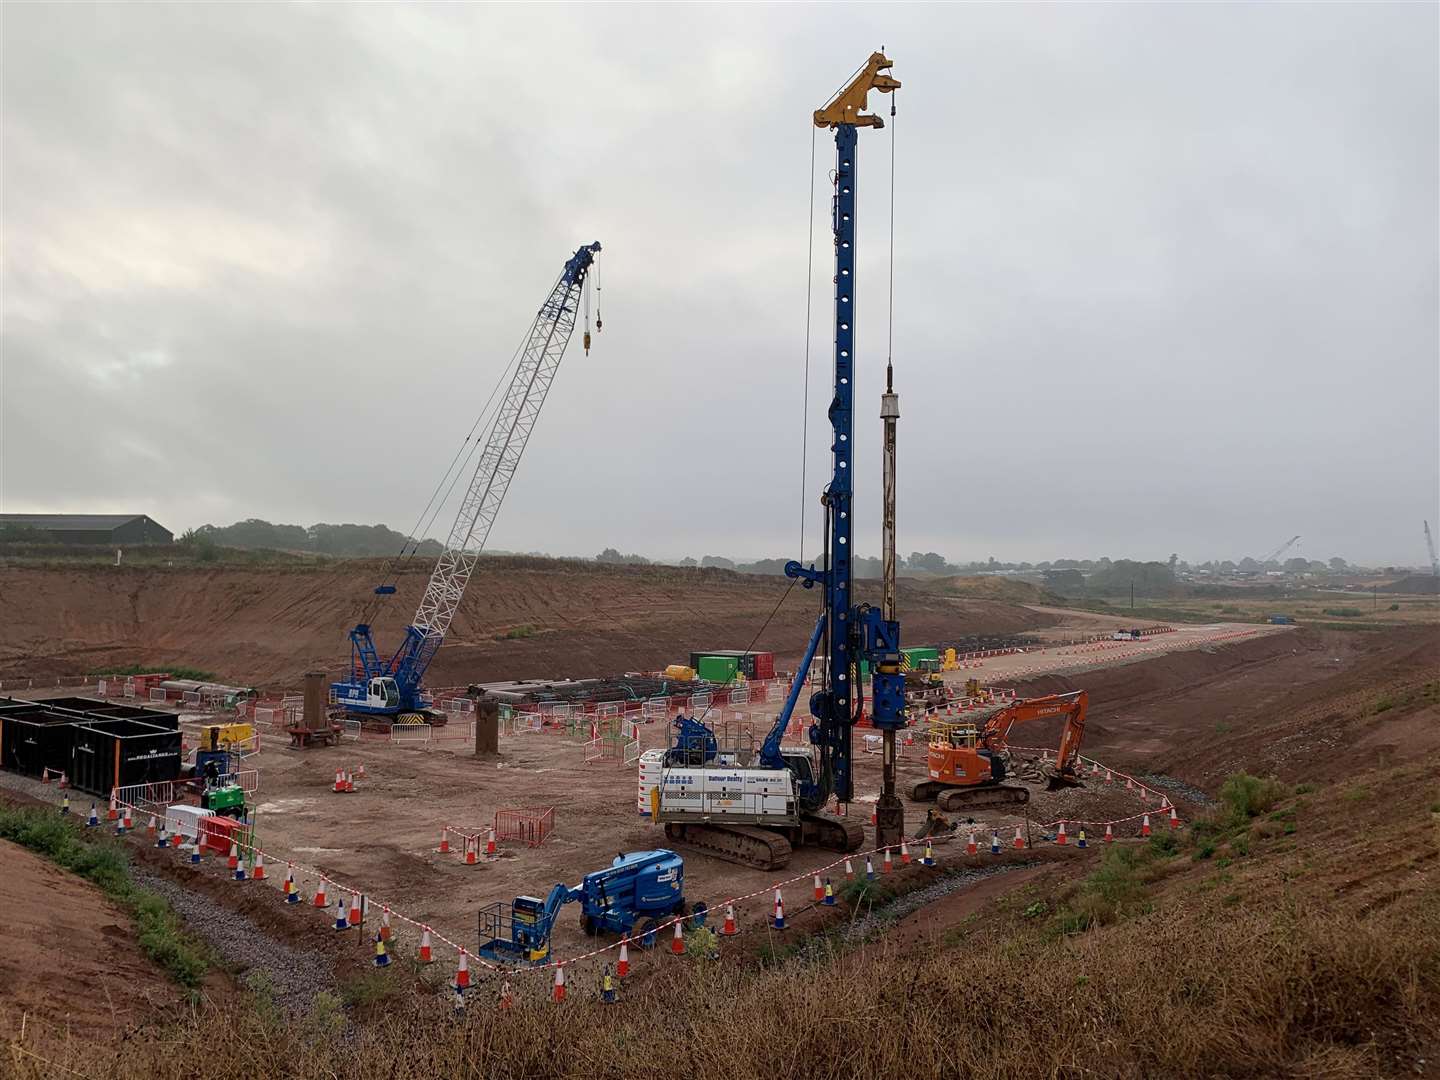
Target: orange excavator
point(968, 763)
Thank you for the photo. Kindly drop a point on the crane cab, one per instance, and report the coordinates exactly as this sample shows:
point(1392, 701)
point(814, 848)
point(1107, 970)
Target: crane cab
point(379, 694)
point(383, 693)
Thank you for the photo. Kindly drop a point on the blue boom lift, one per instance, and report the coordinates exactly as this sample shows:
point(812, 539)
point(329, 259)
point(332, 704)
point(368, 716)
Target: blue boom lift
point(390, 688)
point(648, 885)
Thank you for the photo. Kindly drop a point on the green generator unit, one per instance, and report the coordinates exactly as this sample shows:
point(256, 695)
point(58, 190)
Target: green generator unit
point(227, 801)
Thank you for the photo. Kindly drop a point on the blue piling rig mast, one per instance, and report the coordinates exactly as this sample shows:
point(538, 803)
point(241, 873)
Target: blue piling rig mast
point(849, 632)
point(378, 687)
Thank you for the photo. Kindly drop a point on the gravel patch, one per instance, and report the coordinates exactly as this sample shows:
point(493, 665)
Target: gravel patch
point(1180, 788)
point(295, 975)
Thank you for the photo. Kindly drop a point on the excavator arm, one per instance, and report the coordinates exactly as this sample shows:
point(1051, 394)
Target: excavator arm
point(996, 733)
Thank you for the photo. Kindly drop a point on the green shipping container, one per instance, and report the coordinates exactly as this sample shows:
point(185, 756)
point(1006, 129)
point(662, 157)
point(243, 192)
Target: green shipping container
point(915, 655)
point(718, 669)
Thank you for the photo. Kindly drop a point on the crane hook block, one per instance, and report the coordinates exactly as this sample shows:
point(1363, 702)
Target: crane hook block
point(587, 343)
point(847, 107)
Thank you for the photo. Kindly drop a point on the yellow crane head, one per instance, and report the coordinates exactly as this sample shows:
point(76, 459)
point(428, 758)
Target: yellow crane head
point(848, 106)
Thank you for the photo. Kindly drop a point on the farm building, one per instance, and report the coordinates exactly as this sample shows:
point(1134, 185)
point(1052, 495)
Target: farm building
point(119, 529)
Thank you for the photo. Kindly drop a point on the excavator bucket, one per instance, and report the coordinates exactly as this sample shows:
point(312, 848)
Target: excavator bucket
point(1056, 781)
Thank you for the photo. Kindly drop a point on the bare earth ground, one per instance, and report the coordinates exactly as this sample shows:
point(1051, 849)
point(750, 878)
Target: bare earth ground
point(267, 627)
point(70, 960)
point(383, 838)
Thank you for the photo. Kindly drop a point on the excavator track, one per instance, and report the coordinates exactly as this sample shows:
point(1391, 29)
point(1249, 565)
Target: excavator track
point(832, 831)
point(982, 798)
point(744, 844)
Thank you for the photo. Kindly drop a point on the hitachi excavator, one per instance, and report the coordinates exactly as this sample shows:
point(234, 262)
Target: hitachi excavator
point(968, 763)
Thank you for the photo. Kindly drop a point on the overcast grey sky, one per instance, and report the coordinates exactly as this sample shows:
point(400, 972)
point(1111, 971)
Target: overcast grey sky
point(1166, 276)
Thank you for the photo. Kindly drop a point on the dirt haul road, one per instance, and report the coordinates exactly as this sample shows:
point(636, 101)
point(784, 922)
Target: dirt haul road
point(521, 618)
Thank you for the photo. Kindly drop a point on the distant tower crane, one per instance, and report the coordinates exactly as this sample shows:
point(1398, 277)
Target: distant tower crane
point(1430, 544)
point(1274, 556)
point(377, 687)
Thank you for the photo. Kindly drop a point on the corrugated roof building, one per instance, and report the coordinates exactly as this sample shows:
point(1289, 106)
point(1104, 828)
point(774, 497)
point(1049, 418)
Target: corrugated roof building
point(120, 529)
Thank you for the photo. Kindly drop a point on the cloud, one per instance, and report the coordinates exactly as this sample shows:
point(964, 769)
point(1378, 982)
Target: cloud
point(1165, 277)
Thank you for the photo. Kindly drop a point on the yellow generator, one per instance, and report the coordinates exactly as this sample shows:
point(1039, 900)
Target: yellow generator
point(214, 736)
point(680, 672)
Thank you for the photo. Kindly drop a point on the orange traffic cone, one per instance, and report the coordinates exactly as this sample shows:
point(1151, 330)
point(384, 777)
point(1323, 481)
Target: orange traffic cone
point(622, 966)
point(1109, 835)
point(444, 842)
point(677, 943)
point(64, 780)
point(849, 871)
point(339, 779)
point(355, 914)
point(233, 862)
point(462, 973)
point(1145, 826)
point(972, 848)
point(258, 870)
point(1019, 838)
point(1060, 836)
point(320, 900)
point(505, 996)
point(904, 854)
point(150, 829)
point(886, 865)
point(45, 776)
point(728, 928)
point(819, 889)
point(385, 923)
point(559, 994)
point(425, 953)
point(1174, 819)
point(469, 851)
point(490, 843)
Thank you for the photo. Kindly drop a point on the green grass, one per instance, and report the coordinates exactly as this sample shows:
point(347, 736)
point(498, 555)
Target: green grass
point(105, 864)
point(518, 633)
point(176, 671)
point(370, 988)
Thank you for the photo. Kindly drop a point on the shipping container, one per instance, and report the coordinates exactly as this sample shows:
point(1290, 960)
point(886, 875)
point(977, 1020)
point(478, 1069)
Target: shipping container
point(764, 665)
point(920, 653)
point(119, 753)
point(753, 665)
point(33, 739)
point(98, 709)
point(718, 669)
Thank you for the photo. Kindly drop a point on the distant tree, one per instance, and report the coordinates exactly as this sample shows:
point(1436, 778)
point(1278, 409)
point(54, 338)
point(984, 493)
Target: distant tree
point(1250, 565)
point(1066, 564)
point(687, 561)
point(1297, 565)
point(718, 561)
point(763, 566)
point(610, 555)
point(1174, 559)
point(927, 561)
point(1228, 567)
point(1149, 579)
point(1067, 580)
point(1339, 565)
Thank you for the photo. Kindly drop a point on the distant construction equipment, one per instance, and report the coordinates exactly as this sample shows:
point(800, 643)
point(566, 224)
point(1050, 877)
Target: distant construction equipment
point(1430, 546)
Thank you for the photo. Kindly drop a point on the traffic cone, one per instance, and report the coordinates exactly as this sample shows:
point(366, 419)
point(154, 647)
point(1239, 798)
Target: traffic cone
point(161, 840)
point(355, 913)
point(677, 943)
point(819, 889)
point(425, 951)
point(622, 966)
point(1081, 841)
point(349, 782)
point(339, 780)
point(874, 814)
point(462, 973)
point(928, 859)
point(1109, 835)
point(779, 923)
point(904, 854)
point(177, 838)
point(971, 847)
point(469, 851)
point(869, 869)
point(444, 842)
point(607, 987)
point(457, 1002)
point(1019, 839)
point(292, 894)
point(45, 776)
point(1174, 819)
point(559, 992)
point(1060, 836)
point(728, 928)
point(849, 871)
point(1145, 826)
point(320, 900)
point(505, 995)
point(257, 871)
point(234, 860)
point(385, 923)
point(994, 843)
point(885, 864)
point(359, 770)
point(65, 805)
point(490, 844)
point(1129, 784)
point(382, 957)
point(64, 781)
point(341, 923)
point(195, 852)
point(150, 829)
point(124, 826)
point(1109, 779)
point(829, 900)
point(239, 870)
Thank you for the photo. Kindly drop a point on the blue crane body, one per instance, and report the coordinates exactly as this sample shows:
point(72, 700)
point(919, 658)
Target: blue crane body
point(378, 687)
point(638, 885)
